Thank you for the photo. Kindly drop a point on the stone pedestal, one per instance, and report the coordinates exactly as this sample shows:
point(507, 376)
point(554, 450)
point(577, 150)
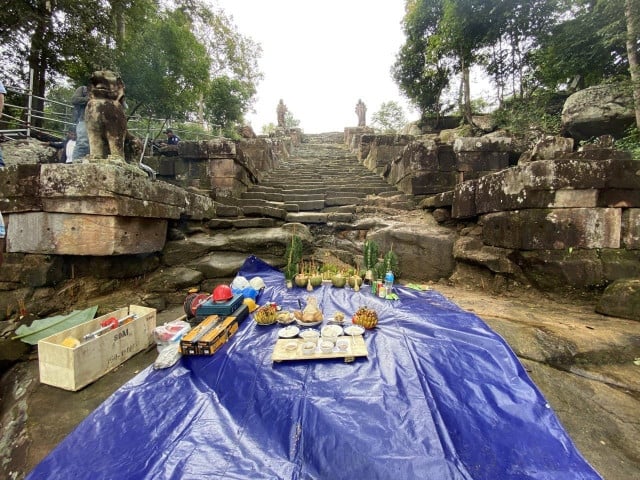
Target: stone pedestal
point(92, 209)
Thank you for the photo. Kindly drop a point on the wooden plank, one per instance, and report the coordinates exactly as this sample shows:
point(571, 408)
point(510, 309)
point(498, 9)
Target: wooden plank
point(357, 348)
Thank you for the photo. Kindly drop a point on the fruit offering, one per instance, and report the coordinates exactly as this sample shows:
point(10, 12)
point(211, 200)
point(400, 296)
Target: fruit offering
point(365, 317)
point(266, 315)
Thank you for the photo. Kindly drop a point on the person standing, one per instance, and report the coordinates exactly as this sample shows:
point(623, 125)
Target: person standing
point(3, 92)
point(79, 101)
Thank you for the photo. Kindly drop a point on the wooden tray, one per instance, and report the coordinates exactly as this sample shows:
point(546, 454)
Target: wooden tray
point(357, 348)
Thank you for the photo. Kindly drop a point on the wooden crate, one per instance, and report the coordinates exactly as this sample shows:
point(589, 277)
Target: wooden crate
point(75, 368)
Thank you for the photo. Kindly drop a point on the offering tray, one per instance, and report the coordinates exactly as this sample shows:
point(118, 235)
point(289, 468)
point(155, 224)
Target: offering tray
point(284, 351)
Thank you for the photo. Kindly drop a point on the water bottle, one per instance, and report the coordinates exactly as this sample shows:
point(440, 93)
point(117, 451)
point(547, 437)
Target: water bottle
point(388, 282)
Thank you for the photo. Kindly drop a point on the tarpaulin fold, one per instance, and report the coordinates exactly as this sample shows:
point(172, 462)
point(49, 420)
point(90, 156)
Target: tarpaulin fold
point(440, 396)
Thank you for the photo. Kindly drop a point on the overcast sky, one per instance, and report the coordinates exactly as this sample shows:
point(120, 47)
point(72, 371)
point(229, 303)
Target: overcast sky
point(321, 56)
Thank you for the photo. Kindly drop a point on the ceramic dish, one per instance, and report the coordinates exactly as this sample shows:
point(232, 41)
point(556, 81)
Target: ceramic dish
point(331, 331)
point(285, 318)
point(326, 346)
point(291, 346)
point(310, 333)
point(343, 344)
point(288, 332)
point(354, 330)
point(308, 348)
point(308, 324)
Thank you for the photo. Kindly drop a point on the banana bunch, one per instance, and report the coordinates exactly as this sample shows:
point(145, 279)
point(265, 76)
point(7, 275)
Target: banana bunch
point(365, 317)
point(266, 315)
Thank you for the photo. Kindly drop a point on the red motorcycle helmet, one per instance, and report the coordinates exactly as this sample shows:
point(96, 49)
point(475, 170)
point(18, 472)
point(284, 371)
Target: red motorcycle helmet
point(222, 293)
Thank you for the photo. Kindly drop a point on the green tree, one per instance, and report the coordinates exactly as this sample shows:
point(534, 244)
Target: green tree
point(290, 121)
point(225, 102)
point(165, 67)
point(390, 118)
point(516, 30)
point(588, 43)
point(631, 8)
point(421, 73)
point(44, 35)
point(447, 33)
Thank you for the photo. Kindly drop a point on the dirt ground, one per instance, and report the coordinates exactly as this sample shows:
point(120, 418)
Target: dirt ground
point(581, 361)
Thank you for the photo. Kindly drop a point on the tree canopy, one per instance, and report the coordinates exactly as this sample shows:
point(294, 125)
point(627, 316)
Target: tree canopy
point(522, 45)
point(173, 57)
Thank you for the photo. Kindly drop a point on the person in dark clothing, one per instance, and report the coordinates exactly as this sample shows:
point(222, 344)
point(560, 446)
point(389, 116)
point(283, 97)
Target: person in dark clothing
point(172, 138)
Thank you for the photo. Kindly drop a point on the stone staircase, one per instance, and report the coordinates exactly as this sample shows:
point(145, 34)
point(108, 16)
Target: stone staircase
point(321, 182)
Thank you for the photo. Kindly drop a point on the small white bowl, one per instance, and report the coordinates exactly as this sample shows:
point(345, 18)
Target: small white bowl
point(310, 334)
point(342, 344)
point(308, 348)
point(326, 346)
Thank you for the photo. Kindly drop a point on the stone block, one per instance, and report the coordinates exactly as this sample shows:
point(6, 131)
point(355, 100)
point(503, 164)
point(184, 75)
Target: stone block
point(206, 149)
point(464, 200)
point(621, 299)
point(618, 198)
point(482, 144)
point(481, 161)
point(550, 148)
point(631, 228)
point(533, 185)
point(80, 234)
point(446, 158)
point(424, 252)
point(620, 263)
point(444, 199)
point(426, 183)
point(553, 229)
point(554, 270)
point(167, 166)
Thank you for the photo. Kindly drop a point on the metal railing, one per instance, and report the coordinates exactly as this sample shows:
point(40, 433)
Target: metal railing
point(57, 120)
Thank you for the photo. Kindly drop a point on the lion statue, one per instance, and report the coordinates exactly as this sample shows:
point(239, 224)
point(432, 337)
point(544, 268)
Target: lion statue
point(105, 115)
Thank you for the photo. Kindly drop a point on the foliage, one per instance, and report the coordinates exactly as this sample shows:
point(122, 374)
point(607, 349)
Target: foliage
point(389, 263)
point(589, 44)
point(630, 142)
point(443, 37)
point(370, 256)
point(167, 53)
point(539, 112)
point(290, 121)
point(522, 45)
point(390, 118)
point(165, 67)
point(269, 128)
point(225, 101)
point(293, 255)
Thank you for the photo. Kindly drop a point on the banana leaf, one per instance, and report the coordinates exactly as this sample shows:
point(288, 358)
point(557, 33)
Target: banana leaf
point(40, 329)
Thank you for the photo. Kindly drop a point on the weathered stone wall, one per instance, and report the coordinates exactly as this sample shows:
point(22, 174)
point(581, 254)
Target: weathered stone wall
point(382, 150)
point(426, 166)
point(564, 223)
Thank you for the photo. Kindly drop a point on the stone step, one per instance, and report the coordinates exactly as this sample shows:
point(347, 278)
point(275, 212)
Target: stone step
point(253, 222)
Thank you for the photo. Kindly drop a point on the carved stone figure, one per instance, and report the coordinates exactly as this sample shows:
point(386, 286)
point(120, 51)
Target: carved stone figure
point(282, 110)
point(105, 117)
point(361, 111)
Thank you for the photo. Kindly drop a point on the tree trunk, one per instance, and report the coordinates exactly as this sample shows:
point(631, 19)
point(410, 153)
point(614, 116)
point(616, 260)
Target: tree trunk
point(38, 60)
point(631, 15)
point(468, 115)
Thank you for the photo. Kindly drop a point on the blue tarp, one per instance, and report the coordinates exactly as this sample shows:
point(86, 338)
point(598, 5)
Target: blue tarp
point(440, 396)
